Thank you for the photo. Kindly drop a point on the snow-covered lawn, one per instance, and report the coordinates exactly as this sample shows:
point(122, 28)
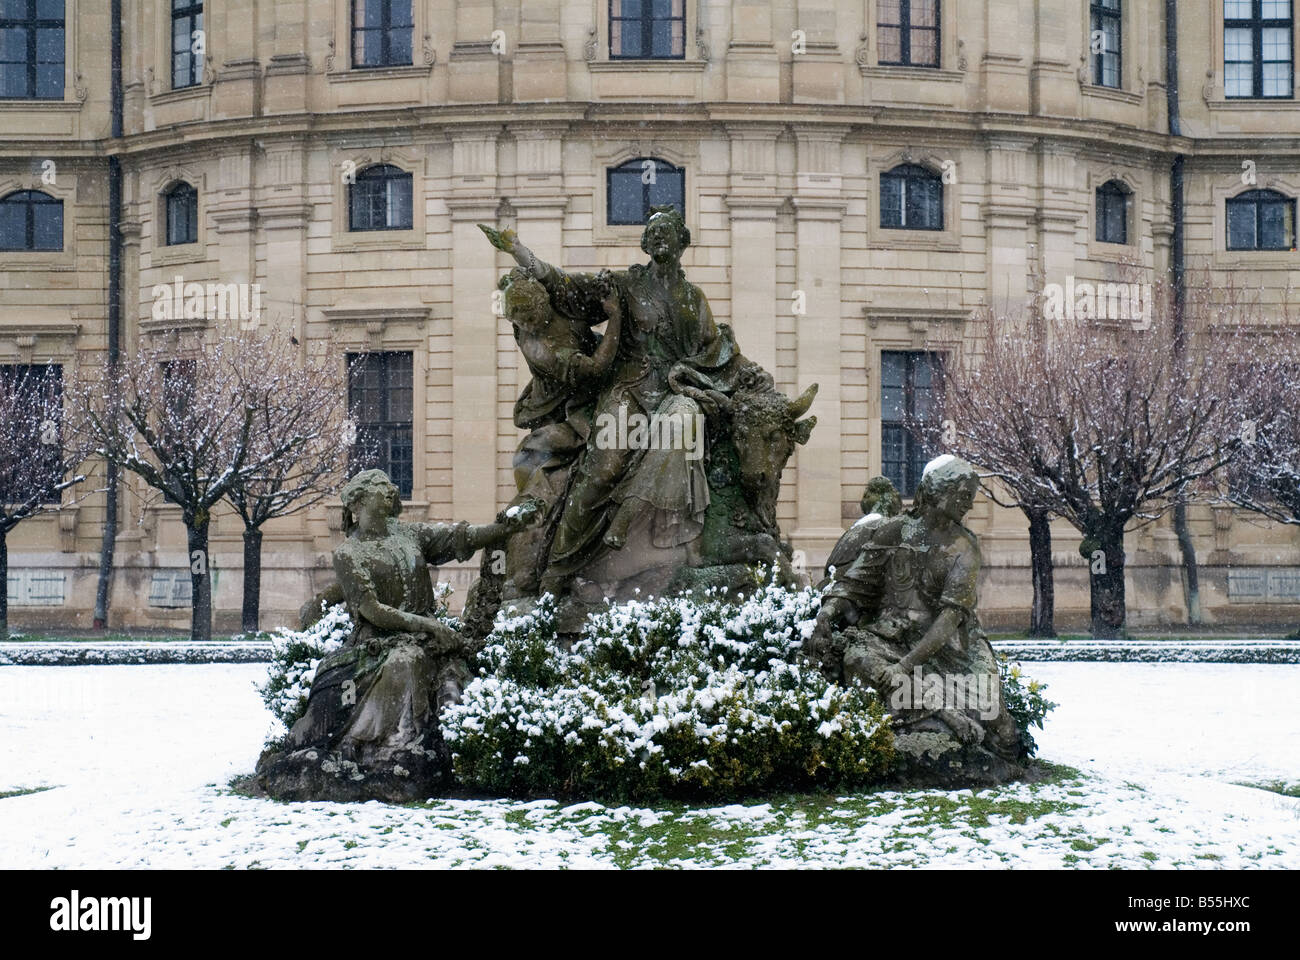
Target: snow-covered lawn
point(137, 759)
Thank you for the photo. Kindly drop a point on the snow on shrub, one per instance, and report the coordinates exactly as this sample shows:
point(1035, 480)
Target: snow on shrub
point(667, 697)
point(294, 659)
point(297, 653)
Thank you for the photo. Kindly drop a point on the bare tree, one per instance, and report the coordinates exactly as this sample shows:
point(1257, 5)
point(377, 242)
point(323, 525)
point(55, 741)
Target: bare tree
point(304, 416)
point(41, 453)
point(977, 418)
point(1106, 423)
point(1264, 476)
point(181, 416)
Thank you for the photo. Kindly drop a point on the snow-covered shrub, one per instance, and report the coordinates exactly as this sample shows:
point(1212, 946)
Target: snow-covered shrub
point(295, 657)
point(668, 697)
point(1025, 702)
point(297, 653)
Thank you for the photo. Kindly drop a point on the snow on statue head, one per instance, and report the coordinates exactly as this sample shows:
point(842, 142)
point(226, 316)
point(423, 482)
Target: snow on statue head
point(942, 474)
point(366, 482)
point(671, 217)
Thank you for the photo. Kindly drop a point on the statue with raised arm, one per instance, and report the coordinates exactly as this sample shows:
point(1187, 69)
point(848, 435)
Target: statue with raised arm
point(370, 730)
point(668, 335)
point(900, 617)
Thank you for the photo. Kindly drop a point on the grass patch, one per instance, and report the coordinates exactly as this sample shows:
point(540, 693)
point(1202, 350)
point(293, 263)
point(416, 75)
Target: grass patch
point(1285, 788)
point(22, 792)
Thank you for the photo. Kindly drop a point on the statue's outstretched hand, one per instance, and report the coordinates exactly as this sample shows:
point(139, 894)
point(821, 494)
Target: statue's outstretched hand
point(503, 240)
point(523, 515)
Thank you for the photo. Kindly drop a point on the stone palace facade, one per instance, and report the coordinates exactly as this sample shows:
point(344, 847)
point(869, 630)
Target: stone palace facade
point(859, 176)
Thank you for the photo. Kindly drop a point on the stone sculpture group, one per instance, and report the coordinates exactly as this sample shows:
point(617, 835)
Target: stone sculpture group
point(650, 465)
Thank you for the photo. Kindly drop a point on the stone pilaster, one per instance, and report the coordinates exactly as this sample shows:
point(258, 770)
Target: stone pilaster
point(819, 212)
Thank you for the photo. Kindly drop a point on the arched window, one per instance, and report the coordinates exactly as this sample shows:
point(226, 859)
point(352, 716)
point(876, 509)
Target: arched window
point(381, 33)
point(907, 33)
point(31, 220)
point(182, 209)
point(911, 198)
point(1112, 212)
point(647, 29)
point(31, 49)
point(381, 199)
point(1261, 220)
point(636, 186)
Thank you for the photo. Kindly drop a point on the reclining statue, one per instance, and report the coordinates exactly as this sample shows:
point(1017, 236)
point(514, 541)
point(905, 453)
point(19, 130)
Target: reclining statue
point(900, 618)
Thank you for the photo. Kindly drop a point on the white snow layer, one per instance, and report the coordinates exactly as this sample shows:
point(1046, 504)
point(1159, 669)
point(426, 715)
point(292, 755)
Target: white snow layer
point(138, 758)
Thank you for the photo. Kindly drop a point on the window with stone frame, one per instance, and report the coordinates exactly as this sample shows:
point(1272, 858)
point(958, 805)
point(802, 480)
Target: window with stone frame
point(32, 49)
point(1107, 43)
point(1112, 212)
point(39, 391)
point(187, 43)
point(907, 33)
point(381, 198)
point(382, 33)
point(181, 208)
point(908, 380)
point(632, 188)
point(381, 405)
point(1261, 220)
point(1258, 59)
point(647, 29)
point(31, 221)
point(911, 198)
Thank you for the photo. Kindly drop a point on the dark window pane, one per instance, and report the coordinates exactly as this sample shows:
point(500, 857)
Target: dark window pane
point(379, 401)
point(47, 226)
point(399, 46)
point(13, 226)
point(891, 201)
point(625, 197)
point(49, 81)
point(49, 9)
point(1241, 226)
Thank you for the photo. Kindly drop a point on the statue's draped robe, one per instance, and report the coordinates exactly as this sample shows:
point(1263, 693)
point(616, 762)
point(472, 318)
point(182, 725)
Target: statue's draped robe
point(378, 697)
point(665, 325)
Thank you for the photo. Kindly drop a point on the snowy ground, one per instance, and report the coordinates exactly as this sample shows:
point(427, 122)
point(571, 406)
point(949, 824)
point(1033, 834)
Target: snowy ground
point(137, 759)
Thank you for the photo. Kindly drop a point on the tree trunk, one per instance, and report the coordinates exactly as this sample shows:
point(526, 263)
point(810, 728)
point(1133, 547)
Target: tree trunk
point(1106, 581)
point(4, 584)
point(1042, 617)
point(196, 538)
point(252, 578)
point(102, 589)
point(1191, 578)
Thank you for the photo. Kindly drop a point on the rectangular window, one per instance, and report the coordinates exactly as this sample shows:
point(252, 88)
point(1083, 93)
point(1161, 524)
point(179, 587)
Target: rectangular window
point(1107, 43)
point(382, 33)
point(907, 33)
point(380, 403)
point(188, 43)
point(907, 382)
point(32, 43)
point(30, 447)
point(1258, 61)
point(647, 29)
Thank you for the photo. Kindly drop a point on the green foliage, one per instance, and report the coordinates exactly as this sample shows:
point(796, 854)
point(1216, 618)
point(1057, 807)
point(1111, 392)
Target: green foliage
point(1025, 702)
point(664, 698)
